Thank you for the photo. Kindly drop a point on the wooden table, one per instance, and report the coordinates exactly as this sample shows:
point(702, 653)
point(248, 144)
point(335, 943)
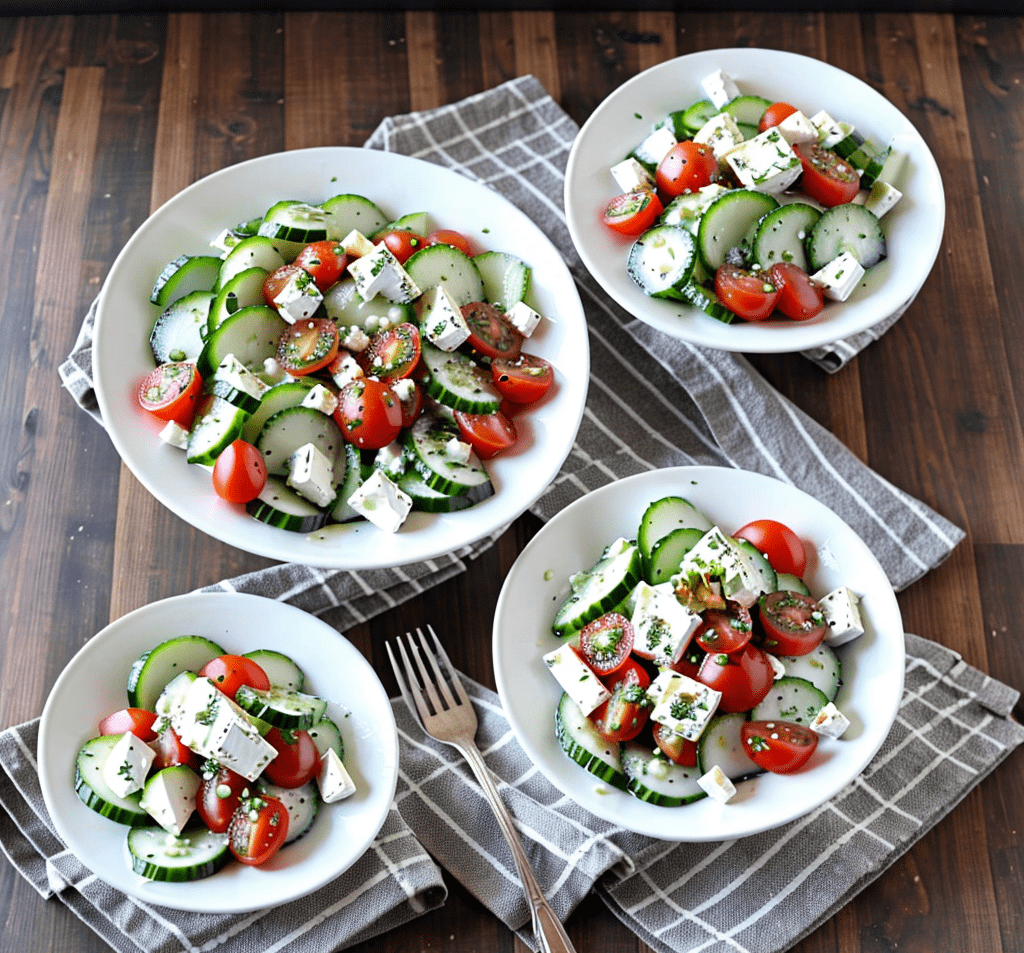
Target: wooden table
point(104, 117)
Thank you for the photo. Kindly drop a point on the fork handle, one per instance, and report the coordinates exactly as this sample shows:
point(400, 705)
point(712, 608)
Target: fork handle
point(546, 926)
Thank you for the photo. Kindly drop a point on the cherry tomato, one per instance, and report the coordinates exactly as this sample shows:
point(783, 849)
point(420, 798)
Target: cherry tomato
point(447, 236)
point(136, 720)
point(240, 472)
point(524, 380)
point(826, 178)
point(632, 213)
point(675, 747)
point(230, 672)
point(749, 294)
point(170, 751)
point(793, 623)
point(297, 761)
point(258, 829)
point(781, 747)
point(725, 630)
point(606, 643)
point(368, 413)
point(687, 167)
point(411, 405)
point(393, 353)
point(624, 715)
point(308, 345)
point(219, 795)
point(744, 679)
point(171, 391)
point(325, 261)
point(689, 662)
point(275, 282)
point(799, 297)
point(774, 114)
point(778, 542)
point(403, 244)
point(489, 434)
point(490, 333)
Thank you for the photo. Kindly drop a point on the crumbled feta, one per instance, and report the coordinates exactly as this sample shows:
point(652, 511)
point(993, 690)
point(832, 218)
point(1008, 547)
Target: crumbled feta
point(688, 209)
point(717, 785)
point(391, 459)
point(458, 450)
point(797, 128)
point(778, 669)
point(839, 277)
point(334, 780)
point(127, 765)
point(682, 703)
point(311, 474)
point(720, 133)
point(662, 625)
point(273, 372)
point(174, 435)
point(842, 611)
point(298, 298)
point(322, 399)
point(345, 369)
point(830, 722)
point(355, 339)
point(404, 388)
point(382, 502)
point(523, 318)
point(717, 557)
point(356, 244)
point(576, 678)
point(719, 87)
point(766, 163)
point(631, 176)
point(380, 273)
point(441, 319)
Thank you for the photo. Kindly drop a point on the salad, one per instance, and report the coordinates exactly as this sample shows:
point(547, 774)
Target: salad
point(216, 757)
point(692, 659)
point(332, 364)
point(710, 199)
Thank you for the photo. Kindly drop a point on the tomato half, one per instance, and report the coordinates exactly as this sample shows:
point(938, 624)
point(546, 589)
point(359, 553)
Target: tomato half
point(490, 333)
point(230, 672)
point(689, 662)
point(749, 294)
point(793, 623)
point(624, 715)
point(258, 829)
point(744, 678)
point(275, 282)
point(799, 297)
point(136, 720)
point(171, 391)
point(778, 746)
point(403, 244)
point(675, 747)
point(368, 413)
point(170, 751)
point(240, 472)
point(393, 353)
point(725, 630)
point(524, 380)
point(297, 761)
point(447, 236)
point(632, 213)
point(774, 114)
point(778, 542)
point(325, 261)
point(219, 795)
point(308, 345)
point(488, 434)
point(687, 167)
point(826, 178)
point(606, 643)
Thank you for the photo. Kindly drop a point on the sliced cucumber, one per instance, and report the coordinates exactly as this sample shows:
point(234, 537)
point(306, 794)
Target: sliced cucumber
point(326, 734)
point(790, 699)
point(279, 397)
point(769, 578)
point(302, 805)
point(661, 261)
point(580, 740)
point(256, 251)
point(279, 668)
point(294, 427)
point(731, 221)
point(747, 111)
point(655, 779)
point(243, 290)
point(347, 212)
point(664, 515)
point(443, 264)
point(279, 505)
point(822, 668)
point(721, 744)
point(217, 424)
point(668, 553)
point(281, 707)
point(697, 115)
point(195, 854)
point(458, 382)
point(184, 275)
point(600, 588)
point(344, 306)
point(418, 222)
point(428, 500)
point(348, 475)
point(427, 440)
point(151, 672)
point(251, 334)
point(704, 299)
point(241, 399)
point(782, 235)
point(95, 793)
point(506, 278)
point(179, 334)
point(846, 227)
point(787, 582)
point(293, 221)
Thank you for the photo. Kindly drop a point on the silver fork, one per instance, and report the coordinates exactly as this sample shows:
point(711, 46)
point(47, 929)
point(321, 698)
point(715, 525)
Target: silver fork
point(450, 718)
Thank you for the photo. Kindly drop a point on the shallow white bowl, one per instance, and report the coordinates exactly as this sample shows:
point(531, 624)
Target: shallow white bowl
point(573, 540)
point(398, 184)
point(93, 685)
point(913, 228)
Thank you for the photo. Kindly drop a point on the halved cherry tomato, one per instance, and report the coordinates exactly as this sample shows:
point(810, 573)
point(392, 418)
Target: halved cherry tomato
point(675, 747)
point(826, 178)
point(793, 623)
point(725, 630)
point(393, 353)
point(624, 715)
point(524, 380)
point(781, 747)
point(774, 114)
point(778, 542)
point(632, 213)
point(136, 720)
point(606, 643)
point(368, 413)
point(403, 244)
point(687, 167)
point(219, 795)
point(799, 297)
point(170, 751)
point(325, 261)
point(171, 391)
point(689, 662)
point(411, 405)
point(240, 472)
point(230, 672)
point(447, 236)
point(749, 294)
point(308, 345)
point(297, 761)
point(744, 678)
point(275, 282)
point(489, 434)
point(491, 334)
point(258, 829)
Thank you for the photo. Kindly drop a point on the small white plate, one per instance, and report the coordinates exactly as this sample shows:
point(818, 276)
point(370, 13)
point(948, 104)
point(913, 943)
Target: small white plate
point(93, 685)
point(913, 228)
point(573, 540)
point(399, 185)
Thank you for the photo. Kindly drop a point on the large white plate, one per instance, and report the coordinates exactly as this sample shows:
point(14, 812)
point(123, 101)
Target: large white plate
point(93, 685)
point(913, 228)
point(398, 184)
point(573, 540)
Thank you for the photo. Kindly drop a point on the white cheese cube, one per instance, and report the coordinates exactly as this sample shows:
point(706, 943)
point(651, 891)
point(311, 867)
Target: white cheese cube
point(441, 319)
point(356, 244)
point(682, 703)
point(576, 678)
point(345, 369)
point(523, 318)
point(662, 625)
point(830, 132)
point(830, 722)
point(655, 147)
point(404, 388)
point(311, 474)
point(839, 277)
point(689, 208)
point(356, 339)
point(766, 163)
point(174, 435)
point(842, 611)
point(299, 298)
point(233, 372)
point(391, 459)
point(458, 450)
point(334, 780)
point(717, 785)
point(381, 502)
point(717, 557)
point(322, 399)
point(225, 241)
point(380, 273)
point(720, 133)
point(631, 176)
point(797, 128)
point(127, 765)
point(720, 88)
point(881, 198)
point(170, 797)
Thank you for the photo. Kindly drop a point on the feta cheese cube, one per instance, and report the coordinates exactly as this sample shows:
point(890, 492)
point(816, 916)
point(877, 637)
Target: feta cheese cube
point(717, 785)
point(577, 680)
point(717, 557)
point(682, 703)
point(688, 209)
point(720, 88)
point(380, 273)
point(766, 163)
point(356, 244)
point(311, 474)
point(404, 388)
point(299, 298)
point(391, 459)
point(880, 198)
point(381, 502)
point(320, 398)
point(523, 318)
point(830, 722)
point(842, 611)
point(662, 626)
point(441, 319)
point(458, 450)
point(174, 435)
point(839, 277)
point(830, 132)
point(334, 780)
point(170, 797)
point(797, 128)
point(234, 373)
point(720, 133)
point(345, 369)
point(127, 765)
point(631, 176)
point(655, 147)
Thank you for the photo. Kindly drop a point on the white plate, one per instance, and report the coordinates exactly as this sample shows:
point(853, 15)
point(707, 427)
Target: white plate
point(574, 539)
point(93, 685)
point(398, 184)
point(913, 228)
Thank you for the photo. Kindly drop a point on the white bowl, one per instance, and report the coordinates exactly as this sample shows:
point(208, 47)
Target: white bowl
point(573, 540)
point(93, 685)
point(913, 228)
point(398, 184)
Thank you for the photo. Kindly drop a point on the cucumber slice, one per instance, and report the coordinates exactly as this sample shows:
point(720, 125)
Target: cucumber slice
point(747, 111)
point(506, 278)
point(664, 515)
point(348, 475)
point(241, 399)
point(704, 299)
point(244, 290)
point(782, 234)
point(655, 779)
point(179, 334)
point(846, 227)
point(293, 221)
point(94, 792)
point(668, 553)
point(822, 668)
point(790, 699)
point(281, 670)
point(769, 577)
point(427, 440)
point(787, 582)
point(281, 707)
point(344, 306)
point(661, 261)
point(302, 805)
point(600, 588)
point(428, 500)
point(157, 855)
point(294, 427)
point(722, 744)
point(257, 251)
point(326, 734)
point(443, 264)
point(279, 505)
point(218, 423)
point(251, 334)
point(458, 382)
point(695, 116)
point(346, 212)
point(731, 221)
point(184, 275)
point(418, 222)
point(279, 397)
point(150, 673)
point(580, 740)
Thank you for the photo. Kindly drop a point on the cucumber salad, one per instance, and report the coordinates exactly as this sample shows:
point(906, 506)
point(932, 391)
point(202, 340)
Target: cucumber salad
point(692, 659)
point(216, 757)
point(746, 208)
point(331, 364)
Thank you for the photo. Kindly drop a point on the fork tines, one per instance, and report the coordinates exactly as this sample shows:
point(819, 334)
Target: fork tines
point(431, 679)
